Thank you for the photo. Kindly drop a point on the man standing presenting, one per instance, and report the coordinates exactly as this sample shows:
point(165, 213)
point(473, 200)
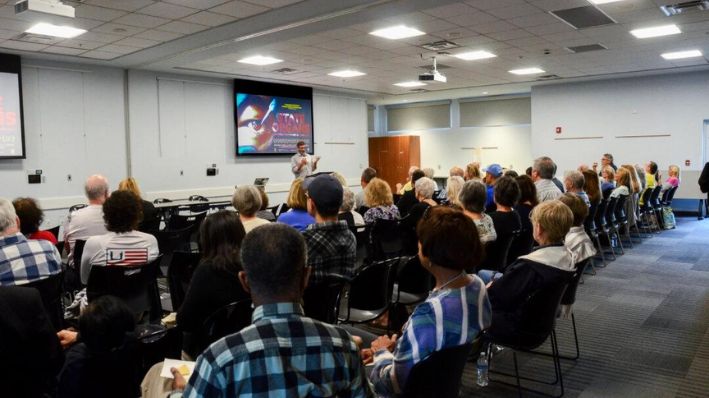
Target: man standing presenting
point(302, 164)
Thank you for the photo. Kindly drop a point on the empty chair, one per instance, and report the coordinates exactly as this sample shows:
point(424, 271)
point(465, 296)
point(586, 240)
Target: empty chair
point(439, 375)
point(179, 273)
point(385, 240)
point(369, 292)
point(321, 301)
point(137, 286)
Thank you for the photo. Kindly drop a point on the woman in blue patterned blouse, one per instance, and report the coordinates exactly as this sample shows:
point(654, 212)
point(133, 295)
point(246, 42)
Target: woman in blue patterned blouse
point(454, 313)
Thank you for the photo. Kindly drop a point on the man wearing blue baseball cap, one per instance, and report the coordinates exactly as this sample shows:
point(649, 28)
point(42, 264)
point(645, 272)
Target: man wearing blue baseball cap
point(492, 173)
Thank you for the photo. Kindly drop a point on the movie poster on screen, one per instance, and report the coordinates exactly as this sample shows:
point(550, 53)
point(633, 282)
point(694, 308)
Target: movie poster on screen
point(272, 124)
point(10, 120)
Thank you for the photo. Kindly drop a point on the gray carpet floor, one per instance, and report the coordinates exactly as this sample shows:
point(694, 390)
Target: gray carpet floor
point(642, 323)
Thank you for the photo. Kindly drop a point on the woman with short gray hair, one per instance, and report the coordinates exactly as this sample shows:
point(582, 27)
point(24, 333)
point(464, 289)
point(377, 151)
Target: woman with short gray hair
point(472, 197)
point(247, 201)
point(424, 188)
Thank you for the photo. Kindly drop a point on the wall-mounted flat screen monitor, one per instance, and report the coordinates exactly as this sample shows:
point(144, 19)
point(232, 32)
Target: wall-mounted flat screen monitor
point(12, 132)
point(272, 118)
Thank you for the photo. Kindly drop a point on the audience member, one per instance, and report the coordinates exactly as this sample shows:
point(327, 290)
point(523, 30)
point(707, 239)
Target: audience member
point(472, 171)
point(607, 180)
point(641, 174)
point(671, 182)
point(260, 360)
point(631, 204)
point(424, 188)
point(506, 221)
point(23, 261)
point(378, 197)
point(151, 218)
point(622, 184)
point(651, 175)
point(453, 187)
point(122, 245)
point(367, 176)
point(523, 244)
point(574, 183)
point(428, 172)
point(456, 171)
point(576, 240)
point(215, 281)
point(548, 265)
point(606, 160)
point(332, 247)
point(473, 197)
point(247, 201)
point(592, 186)
point(103, 360)
point(264, 212)
point(453, 314)
point(87, 222)
point(29, 347)
point(348, 203)
point(492, 173)
point(408, 199)
point(409, 185)
point(542, 173)
point(511, 173)
point(297, 216)
point(31, 217)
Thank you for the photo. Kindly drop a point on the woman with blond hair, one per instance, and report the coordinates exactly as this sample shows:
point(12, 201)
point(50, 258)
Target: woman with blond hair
point(672, 178)
point(631, 204)
point(379, 199)
point(472, 171)
point(151, 218)
point(297, 217)
point(453, 187)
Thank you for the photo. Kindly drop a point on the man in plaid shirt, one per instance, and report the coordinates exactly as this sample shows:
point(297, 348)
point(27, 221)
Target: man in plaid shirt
point(332, 247)
point(23, 261)
point(282, 353)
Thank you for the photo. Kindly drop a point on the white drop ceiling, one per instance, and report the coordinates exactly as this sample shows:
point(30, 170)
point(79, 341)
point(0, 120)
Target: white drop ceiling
point(317, 37)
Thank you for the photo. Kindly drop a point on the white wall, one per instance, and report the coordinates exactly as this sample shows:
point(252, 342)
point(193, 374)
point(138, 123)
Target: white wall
point(75, 123)
point(674, 105)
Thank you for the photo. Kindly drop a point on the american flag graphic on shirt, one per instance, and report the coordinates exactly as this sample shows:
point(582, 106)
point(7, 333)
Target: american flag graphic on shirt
point(126, 257)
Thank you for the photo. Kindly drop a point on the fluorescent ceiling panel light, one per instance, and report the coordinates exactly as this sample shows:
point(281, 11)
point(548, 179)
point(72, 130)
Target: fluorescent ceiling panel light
point(682, 54)
point(526, 71)
point(260, 60)
point(47, 29)
point(410, 84)
point(347, 73)
point(655, 31)
point(475, 55)
point(397, 32)
point(604, 1)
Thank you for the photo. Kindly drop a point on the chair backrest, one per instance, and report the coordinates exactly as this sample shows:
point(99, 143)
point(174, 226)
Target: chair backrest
point(496, 252)
point(137, 286)
point(112, 375)
point(619, 210)
point(179, 221)
point(362, 236)
point(646, 198)
point(78, 252)
point(197, 208)
point(172, 240)
point(347, 217)
point(600, 219)
point(227, 320)
point(570, 293)
point(654, 197)
point(412, 278)
point(161, 200)
point(609, 214)
point(363, 209)
point(157, 343)
point(669, 194)
point(440, 374)
point(51, 290)
point(370, 288)
point(385, 239)
point(54, 231)
point(322, 301)
point(588, 223)
point(77, 207)
point(179, 274)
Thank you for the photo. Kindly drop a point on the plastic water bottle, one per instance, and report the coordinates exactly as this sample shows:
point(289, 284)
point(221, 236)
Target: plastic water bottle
point(483, 379)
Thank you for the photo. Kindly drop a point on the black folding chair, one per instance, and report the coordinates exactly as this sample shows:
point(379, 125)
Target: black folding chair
point(369, 292)
point(227, 320)
point(179, 274)
point(136, 285)
point(321, 301)
point(51, 289)
point(385, 240)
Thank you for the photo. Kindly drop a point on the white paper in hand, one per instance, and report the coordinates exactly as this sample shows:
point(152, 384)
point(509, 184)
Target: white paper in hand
point(185, 367)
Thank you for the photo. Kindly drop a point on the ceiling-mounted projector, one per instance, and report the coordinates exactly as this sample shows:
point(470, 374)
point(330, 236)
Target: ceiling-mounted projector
point(51, 7)
point(433, 76)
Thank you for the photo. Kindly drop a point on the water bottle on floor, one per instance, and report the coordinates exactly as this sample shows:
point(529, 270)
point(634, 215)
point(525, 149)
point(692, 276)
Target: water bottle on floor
point(483, 379)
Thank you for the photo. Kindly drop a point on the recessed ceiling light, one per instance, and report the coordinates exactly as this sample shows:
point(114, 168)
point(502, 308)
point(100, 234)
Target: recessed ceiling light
point(604, 1)
point(484, 92)
point(397, 32)
point(682, 54)
point(47, 29)
point(260, 60)
point(475, 55)
point(347, 73)
point(655, 31)
point(526, 71)
point(410, 84)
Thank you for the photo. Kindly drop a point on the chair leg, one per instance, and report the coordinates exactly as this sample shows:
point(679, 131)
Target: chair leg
point(576, 337)
point(519, 384)
point(557, 361)
point(601, 252)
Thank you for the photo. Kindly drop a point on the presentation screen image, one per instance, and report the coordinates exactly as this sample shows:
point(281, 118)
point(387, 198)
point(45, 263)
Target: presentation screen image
point(11, 129)
point(270, 124)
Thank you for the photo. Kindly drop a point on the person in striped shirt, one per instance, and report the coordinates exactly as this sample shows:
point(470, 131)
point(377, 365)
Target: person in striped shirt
point(455, 312)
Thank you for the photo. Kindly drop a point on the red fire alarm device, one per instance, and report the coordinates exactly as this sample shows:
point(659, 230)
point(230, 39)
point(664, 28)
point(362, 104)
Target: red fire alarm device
point(558, 130)
point(687, 162)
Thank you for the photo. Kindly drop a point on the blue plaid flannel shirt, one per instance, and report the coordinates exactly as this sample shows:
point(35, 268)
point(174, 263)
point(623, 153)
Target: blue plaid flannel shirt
point(23, 261)
point(282, 354)
point(332, 249)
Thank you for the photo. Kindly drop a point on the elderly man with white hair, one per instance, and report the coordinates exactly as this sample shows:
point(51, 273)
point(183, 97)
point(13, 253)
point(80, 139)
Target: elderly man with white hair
point(23, 261)
point(424, 188)
point(574, 182)
point(87, 222)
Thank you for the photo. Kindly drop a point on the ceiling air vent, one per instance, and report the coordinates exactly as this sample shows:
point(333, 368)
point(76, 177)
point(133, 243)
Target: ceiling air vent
point(286, 71)
point(583, 17)
point(440, 45)
point(439, 66)
point(587, 48)
point(548, 77)
point(418, 90)
point(674, 9)
point(35, 38)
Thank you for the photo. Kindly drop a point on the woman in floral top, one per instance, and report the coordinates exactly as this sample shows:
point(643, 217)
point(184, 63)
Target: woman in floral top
point(379, 199)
